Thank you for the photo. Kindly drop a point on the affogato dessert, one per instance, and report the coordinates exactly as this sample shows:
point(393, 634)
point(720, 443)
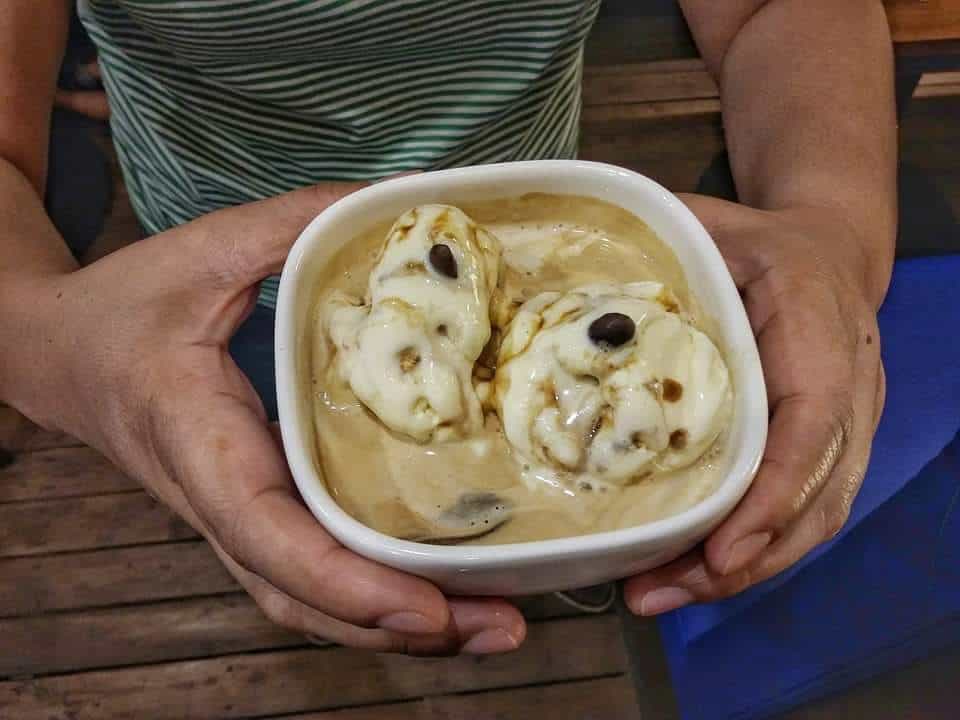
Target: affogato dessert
point(515, 370)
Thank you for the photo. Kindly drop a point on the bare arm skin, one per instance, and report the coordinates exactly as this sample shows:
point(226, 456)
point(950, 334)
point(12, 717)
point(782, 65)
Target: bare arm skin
point(808, 109)
point(129, 354)
point(33, 36)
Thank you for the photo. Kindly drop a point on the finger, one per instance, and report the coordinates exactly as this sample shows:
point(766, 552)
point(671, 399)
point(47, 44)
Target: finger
point(237, 481)
point(690, 578)
point(807, 437)
point(209, 263)
point(487, 626)
point(476, 626)
point(239, 246)
point(88, 77)
point(718, 217)
point(91, 103)
point(93, 69)
point(709, 210)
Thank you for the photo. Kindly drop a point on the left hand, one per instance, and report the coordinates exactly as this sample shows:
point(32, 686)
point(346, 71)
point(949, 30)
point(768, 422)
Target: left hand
point(803, 275)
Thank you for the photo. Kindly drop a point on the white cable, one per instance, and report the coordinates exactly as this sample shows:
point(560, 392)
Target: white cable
point(594, 608)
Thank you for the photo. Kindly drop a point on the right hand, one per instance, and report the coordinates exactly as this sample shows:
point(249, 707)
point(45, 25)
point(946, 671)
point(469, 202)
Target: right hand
point(129, 355)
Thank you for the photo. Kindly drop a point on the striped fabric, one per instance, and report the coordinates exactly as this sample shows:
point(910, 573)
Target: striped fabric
point(222, 102)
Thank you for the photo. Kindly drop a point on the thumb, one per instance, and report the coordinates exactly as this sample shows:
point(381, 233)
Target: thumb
point(713, 212)
point(738, 232)
point(239, 246)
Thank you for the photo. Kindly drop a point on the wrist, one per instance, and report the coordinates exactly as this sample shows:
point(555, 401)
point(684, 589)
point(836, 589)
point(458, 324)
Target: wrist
point(30, 323)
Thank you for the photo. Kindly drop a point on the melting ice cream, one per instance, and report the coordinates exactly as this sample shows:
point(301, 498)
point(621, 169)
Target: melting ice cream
point(511, 378)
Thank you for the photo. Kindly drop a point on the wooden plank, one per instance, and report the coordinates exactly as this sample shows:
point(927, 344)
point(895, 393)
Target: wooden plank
point(679, 87)
point(164, 631)
point(291, 681)
point(138, 634)
point(404, 710)
point(46, 526)
point(923, 20)
point(616, 40)
point(602, 699)
point(110, 577)
point(649, 669)
point(17, 434)
point(673, 151)
point(647, 83)
point(88, 580)
point(61, 473)
point(628, 31)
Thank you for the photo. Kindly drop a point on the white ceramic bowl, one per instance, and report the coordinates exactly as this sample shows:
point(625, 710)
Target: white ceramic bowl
point(532, 567)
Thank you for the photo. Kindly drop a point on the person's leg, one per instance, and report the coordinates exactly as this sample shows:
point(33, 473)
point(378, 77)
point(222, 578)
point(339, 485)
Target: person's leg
point(252, 351)
point(79, 184)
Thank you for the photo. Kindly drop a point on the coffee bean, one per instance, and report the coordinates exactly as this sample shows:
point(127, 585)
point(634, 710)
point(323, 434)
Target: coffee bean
point(443, 261)
point(678, 439)
point(612, 329)
point(672, 390)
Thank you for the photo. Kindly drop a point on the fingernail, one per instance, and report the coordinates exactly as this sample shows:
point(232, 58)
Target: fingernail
point(316, 639)
point(664, 600)
point(411, 623)
point(745, 550)
point(488, 642)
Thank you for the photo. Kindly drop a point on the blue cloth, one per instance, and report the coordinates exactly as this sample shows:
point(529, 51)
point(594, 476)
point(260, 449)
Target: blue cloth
point(887, 590)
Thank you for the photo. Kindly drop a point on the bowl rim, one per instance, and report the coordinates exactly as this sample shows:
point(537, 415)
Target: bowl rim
point(379, 546)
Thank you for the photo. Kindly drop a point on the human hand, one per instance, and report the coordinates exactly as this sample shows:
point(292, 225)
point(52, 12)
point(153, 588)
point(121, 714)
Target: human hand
point(129, 354)
point(803, 277)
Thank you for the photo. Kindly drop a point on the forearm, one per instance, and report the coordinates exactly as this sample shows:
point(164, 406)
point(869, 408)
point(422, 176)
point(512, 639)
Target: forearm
point(32, 39)
point(809, 113)
point(33, 35)
point(29, 243)
point(31, 252)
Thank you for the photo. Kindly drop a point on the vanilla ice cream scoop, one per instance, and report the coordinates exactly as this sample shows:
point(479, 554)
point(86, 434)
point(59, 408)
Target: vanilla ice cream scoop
point(607, 383)
point(408, 349)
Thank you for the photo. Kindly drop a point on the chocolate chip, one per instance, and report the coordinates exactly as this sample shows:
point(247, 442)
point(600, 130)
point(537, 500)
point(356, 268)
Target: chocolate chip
point(409, 358)
point(6, 458)
point(443, 261)
point(613, 329)
point(869, 339)
point(678, 439)
point(672, 390)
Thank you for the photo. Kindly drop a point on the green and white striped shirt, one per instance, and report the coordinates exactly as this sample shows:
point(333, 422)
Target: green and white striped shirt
point(222, 102)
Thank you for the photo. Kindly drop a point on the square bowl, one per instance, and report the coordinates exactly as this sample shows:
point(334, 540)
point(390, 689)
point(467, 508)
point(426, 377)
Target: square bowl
point(548, 565)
